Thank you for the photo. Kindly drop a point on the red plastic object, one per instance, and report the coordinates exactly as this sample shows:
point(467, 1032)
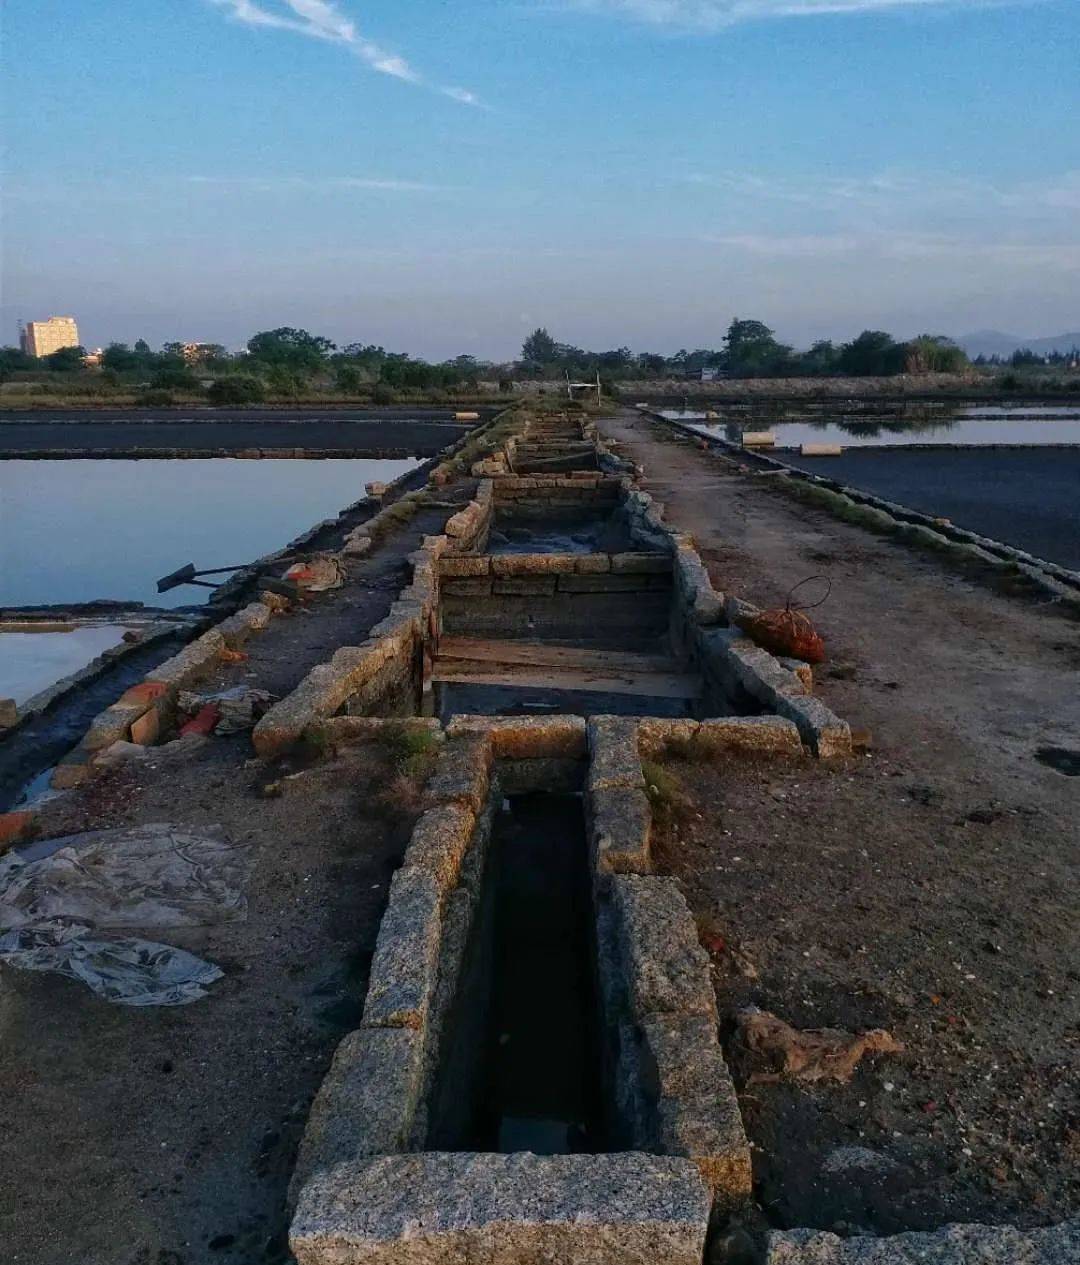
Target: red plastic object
point(204, 721)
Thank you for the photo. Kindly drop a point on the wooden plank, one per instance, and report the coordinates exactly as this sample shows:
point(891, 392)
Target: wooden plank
point(646, 685)
point(530, 653)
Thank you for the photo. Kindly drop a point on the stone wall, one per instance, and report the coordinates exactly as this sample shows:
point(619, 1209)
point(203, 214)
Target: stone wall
point(545, 495)
point(671, 1100)
point(706, 628)
point(612, 598)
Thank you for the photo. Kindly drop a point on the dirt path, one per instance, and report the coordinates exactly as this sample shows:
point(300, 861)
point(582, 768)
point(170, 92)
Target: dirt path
point(929, 886)
point(963, 680)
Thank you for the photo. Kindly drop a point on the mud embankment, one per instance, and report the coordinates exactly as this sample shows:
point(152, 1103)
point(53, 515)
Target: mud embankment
point(202, 433)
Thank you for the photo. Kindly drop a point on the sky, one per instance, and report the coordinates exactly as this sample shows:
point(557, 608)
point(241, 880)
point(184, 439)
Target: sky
point(442, 176)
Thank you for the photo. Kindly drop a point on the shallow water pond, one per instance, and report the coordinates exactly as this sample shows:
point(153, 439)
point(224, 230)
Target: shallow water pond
point(78, 531)
point(32, 661)
point(974, 428)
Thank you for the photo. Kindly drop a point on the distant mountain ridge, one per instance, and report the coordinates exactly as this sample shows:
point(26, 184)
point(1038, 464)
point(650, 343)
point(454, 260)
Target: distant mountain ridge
point(991, 342)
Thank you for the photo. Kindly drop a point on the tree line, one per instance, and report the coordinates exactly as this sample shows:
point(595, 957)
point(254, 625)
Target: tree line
point(291, 362)
point(750, 349)
point(278, 362)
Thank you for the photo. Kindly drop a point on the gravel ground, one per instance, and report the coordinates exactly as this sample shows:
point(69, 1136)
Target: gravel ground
point(873, 897)
point(167, 1136)
point(941, 865)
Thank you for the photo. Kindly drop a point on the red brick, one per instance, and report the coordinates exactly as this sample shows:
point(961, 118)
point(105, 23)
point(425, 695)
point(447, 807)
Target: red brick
point(14, 828)
point(204, 722)
point(144, 692)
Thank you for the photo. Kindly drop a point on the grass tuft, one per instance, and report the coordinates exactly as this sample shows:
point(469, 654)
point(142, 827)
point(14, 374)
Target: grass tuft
point(666, 795)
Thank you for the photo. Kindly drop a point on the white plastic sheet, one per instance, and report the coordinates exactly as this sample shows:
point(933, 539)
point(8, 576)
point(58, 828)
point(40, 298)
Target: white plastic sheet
point(58, 896)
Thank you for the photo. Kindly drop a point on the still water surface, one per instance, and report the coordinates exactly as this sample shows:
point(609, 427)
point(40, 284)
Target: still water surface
point(977, 429)
point(30, 662)
point(77, 531)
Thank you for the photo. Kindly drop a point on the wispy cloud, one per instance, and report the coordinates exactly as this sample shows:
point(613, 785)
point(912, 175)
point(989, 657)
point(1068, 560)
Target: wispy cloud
point(902, 246)
point(314, 184)
point(322, 20)
point(714, 15)
point(901, 192)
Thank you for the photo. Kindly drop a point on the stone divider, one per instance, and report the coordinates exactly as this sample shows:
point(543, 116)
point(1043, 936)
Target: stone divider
point(672, 1092)
point(575, 491)
point(395, 654)
point(438, 1209)
point(544, 574)
point(362, 677)
point(143, 711)
point(396, 651)
point(156, 631)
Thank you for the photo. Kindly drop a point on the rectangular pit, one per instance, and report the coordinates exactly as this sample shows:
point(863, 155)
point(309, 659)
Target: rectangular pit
point(581, 634)
point(528, 1061)
point(484, 1031)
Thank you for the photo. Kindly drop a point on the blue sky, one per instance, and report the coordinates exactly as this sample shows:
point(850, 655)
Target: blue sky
point(443, 175)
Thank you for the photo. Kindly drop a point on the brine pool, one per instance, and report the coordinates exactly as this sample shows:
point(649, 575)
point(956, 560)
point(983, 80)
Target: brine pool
point(84, 530)
point(32, 661)
point(975, 427)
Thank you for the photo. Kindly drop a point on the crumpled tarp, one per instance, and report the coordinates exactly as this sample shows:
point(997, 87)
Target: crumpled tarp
point(58, 895)
point(127, 971)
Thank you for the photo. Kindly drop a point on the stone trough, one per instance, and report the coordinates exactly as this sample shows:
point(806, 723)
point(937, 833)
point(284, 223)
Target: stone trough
point(389, 1169)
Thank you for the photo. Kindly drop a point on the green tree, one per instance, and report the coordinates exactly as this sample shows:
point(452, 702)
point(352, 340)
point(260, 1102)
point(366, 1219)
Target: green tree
point(175, 379)
point(66, 360)
point(822, 359)
point(873, 354)
point(540, 348)
point(121, 359)
point(751, 350)
point(349, 379)
point(14, 360)
point(934, 353)
point(287, 379)
point(367, 357)
point(294, 349)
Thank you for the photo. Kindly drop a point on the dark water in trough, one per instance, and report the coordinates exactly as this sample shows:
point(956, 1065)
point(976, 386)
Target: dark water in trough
point(522, 1070)
point(470, 699)
point(554, 533)
point(545, 1069)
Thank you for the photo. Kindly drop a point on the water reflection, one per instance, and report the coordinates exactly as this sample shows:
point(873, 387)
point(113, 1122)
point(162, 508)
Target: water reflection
point(78, 531)
point(32, 661)
point(905, 425)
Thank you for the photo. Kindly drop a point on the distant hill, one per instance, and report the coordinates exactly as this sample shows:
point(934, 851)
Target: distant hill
point(991, 342)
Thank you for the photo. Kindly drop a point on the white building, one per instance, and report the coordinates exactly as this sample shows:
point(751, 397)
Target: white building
point(42, 338)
